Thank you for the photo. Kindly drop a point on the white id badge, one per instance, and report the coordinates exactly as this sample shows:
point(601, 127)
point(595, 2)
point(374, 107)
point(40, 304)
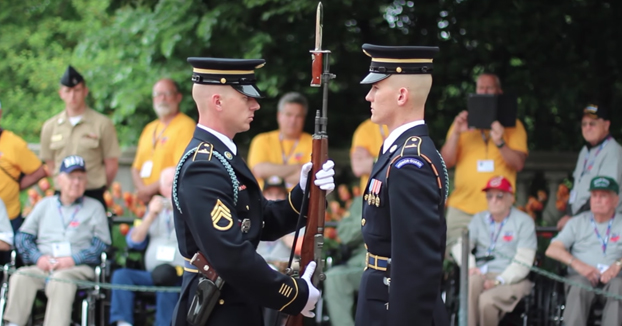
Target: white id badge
point(484, 269)
point(165, 253)
point(485, 166)
point(145, 171)
point(572, 197)
point(602, 267)
point(61, 249)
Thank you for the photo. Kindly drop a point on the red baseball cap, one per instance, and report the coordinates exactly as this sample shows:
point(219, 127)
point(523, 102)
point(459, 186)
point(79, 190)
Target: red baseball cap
point(499, 183)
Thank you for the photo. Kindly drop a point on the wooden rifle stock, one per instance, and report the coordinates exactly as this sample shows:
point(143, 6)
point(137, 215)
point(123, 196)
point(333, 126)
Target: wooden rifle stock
point(313, 240)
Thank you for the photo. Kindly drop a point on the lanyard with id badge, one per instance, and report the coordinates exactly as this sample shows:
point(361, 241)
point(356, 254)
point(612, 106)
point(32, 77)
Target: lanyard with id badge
point(494, 236)
point(145, 170)
point(63, 248)
point(587, 167)
point(603, 241)
point(167, 253)
point(485, 165)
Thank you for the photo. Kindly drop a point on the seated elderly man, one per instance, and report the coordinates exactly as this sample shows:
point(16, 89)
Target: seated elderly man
point(499, 234)
point(64, 236)
point(590, 245)
point(162, 258)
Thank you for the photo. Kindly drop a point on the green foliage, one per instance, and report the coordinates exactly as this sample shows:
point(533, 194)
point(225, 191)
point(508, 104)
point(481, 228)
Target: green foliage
point(556, 55)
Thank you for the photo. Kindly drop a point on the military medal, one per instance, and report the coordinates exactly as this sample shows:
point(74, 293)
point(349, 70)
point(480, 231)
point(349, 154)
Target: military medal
point(374, 192)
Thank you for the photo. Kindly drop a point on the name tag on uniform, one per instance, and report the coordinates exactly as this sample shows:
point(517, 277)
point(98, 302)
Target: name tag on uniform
point(485, 166)
point(165, 253)
point(61, 249)
point(145, 171)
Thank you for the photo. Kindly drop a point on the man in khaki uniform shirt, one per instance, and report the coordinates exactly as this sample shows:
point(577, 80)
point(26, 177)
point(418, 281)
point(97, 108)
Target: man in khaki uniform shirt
point(79, 130)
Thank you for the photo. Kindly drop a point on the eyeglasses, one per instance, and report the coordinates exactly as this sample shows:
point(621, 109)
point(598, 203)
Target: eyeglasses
point(165, 94)
point(499, 195)
point(76, 177)
point(592, 123)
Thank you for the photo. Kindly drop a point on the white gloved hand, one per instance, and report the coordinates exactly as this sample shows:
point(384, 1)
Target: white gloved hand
point(314, 294)
point(324, 177)
point(304, 173)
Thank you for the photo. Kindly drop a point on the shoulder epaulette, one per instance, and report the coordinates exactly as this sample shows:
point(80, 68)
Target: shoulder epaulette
point(205, 150)
point(412, 146)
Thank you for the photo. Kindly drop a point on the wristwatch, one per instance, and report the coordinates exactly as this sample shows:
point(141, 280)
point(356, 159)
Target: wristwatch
point(502, 144)
point(618, 263)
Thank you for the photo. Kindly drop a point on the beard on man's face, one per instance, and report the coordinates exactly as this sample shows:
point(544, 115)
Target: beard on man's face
point(162, 109)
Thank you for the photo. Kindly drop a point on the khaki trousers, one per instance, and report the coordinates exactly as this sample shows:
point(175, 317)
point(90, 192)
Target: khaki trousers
point(486, 308)
point(579, 303)
point(23, 289)
point(457, 221)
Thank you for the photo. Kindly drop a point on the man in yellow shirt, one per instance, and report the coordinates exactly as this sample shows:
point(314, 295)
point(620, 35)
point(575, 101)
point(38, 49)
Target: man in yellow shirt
point(282, 152)
point(366, 142)
point(162, 141)
point(20, 168)
point(478, 155)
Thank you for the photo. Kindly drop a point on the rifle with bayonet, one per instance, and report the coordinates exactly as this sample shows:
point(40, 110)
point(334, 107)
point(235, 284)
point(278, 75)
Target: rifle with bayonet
point(314, 203)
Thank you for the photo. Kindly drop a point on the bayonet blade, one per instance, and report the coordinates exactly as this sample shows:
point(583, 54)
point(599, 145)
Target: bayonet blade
point(318, 27)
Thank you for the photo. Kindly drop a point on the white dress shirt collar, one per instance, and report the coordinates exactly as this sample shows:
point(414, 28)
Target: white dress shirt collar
point(224, 139)
point(395, 134)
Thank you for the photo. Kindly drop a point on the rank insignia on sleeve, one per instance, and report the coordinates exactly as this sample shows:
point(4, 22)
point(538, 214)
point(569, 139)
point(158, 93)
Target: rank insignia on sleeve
point(220, 213)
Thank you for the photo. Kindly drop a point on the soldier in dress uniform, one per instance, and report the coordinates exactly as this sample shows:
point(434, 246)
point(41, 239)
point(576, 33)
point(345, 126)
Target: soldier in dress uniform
point(403, 204)
point(220, 210)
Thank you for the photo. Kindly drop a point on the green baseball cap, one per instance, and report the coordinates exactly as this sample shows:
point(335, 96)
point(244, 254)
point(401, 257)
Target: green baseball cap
point(604, 183)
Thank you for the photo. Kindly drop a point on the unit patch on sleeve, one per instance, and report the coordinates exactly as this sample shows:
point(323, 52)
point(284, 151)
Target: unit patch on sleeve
point(409, 161)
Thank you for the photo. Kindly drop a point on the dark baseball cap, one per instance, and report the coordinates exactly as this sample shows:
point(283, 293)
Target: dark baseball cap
point(274, 181)
point(596, 112)
point(604, 183)
point(72, 163)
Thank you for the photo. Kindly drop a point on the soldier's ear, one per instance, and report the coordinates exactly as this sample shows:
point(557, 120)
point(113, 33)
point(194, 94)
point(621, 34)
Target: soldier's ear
point(217, 101)
point(402, 96)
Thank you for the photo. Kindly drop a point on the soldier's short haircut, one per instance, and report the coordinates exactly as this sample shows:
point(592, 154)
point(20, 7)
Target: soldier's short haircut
point(293, 97)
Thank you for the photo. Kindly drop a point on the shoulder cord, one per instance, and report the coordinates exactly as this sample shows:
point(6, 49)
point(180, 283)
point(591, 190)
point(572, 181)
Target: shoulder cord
point(446, 174)
point(228, 167)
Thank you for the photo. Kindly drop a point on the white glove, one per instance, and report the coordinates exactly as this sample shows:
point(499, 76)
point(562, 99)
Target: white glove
point(314, 294)
point(304, 173)
point(323, 178)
